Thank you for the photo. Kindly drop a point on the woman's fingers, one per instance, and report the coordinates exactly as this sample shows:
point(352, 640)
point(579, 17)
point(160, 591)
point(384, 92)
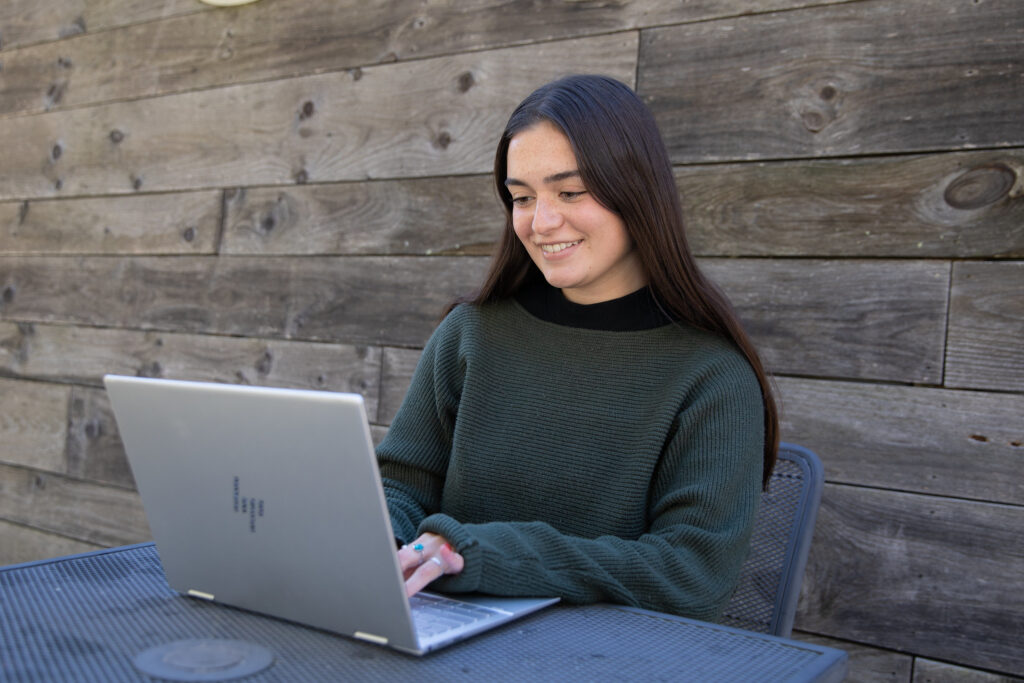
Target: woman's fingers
point(453, 562)
point(429, 571)
point(426, 560)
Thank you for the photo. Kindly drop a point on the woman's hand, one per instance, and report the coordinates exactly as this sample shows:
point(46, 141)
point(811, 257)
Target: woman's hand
point(427, 559)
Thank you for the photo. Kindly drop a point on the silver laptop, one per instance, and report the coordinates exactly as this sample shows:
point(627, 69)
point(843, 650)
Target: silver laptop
point(270, 500)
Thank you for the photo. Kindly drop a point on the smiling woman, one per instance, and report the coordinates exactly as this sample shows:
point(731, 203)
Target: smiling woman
point(593, 424)
point(580, 246)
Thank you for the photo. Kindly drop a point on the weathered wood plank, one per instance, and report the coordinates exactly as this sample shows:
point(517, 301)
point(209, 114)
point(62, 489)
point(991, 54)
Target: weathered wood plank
point(864, 78)
point(986, 327)
point(933, 576)
point(94, 448)
point(965, 444)
point(288, 38)
point(869, 320)
point(356, 300)
point(33, 422)
point(88, 512)
point(32, 21)
point(395, 377)
point(954, 205)
point(846, 319)
point(380, 217)
point(82, 355)
point(175, 223)
point(930, 671)
point(24, 544)
point(431, 117)
point(867, 664)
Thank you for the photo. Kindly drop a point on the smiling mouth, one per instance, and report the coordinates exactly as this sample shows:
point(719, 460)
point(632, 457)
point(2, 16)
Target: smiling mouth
point(555, 248)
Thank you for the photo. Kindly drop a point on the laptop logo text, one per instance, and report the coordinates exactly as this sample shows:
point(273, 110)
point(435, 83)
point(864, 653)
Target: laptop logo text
point(250, 506)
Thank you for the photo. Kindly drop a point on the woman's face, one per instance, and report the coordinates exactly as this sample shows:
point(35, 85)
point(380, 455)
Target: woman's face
point(580, 246)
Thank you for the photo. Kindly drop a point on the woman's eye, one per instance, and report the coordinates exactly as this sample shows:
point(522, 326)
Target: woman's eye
point(573, 195)
point(520, 201)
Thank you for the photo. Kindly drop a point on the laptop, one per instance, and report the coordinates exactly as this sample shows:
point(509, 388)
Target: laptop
point(270, 500)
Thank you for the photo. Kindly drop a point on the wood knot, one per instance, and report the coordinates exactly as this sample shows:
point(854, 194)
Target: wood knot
point(116, 136)
point(443, 140)
point(466, 81)
point(980, 186)
point(153, 369)
point(55, 94)
point(266, 363)
point(301, 177)
point(828, 93)
point(189, 234)
point(307, 110)
point(7, 295)
point(814, 121)
point(56, 152)
point(136, 182)
point(356, 73)
point(93, 429)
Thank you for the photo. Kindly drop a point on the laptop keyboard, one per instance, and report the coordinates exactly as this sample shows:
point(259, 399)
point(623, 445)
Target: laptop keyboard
point(434, 614)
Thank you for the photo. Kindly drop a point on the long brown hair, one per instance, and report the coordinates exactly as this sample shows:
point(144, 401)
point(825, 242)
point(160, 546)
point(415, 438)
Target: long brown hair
point(624, 164)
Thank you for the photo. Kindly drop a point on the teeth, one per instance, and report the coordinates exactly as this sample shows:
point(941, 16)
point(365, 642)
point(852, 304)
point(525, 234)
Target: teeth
point(555, 248)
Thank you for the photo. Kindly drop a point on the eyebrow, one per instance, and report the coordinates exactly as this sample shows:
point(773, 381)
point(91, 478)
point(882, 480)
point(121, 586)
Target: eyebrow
point(548, 180)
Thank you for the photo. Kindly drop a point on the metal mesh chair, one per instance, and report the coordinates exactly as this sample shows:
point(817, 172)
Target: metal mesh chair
point(765, 599)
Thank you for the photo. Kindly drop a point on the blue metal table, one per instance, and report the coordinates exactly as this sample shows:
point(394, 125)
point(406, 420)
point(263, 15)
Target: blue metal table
point(86, 617)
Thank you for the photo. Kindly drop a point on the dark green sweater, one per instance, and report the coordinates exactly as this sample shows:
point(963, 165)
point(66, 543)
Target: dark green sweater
point(595, 465)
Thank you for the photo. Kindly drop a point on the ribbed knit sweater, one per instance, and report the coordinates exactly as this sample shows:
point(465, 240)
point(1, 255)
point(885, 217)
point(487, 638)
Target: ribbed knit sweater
point(596, 465)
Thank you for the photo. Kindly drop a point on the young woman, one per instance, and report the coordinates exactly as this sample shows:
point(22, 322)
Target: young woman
point(594, 424)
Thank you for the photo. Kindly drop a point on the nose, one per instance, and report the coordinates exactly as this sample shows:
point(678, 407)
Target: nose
point(546, 216)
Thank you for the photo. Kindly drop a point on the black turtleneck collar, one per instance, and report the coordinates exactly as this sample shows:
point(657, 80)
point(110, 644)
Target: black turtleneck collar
point(636, 311)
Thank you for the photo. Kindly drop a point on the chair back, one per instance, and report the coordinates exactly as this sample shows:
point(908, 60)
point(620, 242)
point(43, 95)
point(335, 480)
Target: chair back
point(766, 596)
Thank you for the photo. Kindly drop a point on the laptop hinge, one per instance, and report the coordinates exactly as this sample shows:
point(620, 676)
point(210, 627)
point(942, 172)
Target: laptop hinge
point(200, 594)
point(362, 635)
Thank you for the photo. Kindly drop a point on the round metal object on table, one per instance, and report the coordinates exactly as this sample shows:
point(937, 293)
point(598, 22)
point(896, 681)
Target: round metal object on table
point(203, 659)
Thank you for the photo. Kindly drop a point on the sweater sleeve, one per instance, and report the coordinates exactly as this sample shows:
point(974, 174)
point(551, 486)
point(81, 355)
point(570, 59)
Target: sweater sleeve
point(702, 505)
point(413, 457)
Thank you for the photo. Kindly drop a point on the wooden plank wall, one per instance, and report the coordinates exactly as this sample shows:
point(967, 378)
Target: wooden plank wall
point(287, 193)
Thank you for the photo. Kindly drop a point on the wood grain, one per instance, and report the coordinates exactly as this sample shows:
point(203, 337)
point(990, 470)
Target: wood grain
point(460, 215)
point(867, 664)
point(95, 451)
point(175, 223)
point(88, 512)
point(25, 544)
point(862, 78)
point(930, 671)
point(437, 116)
point(82, 355)
point(288, 38)
point(357, 301)
point(843, 319)
point(954, 205)
point(868, 320)
point(33, 421)
point(934, 576)
point(963, 444)
point(986, 327)
point(30, 21)
point(395, 377)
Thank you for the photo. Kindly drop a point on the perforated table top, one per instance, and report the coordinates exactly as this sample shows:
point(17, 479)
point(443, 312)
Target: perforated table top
point(87, 617)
